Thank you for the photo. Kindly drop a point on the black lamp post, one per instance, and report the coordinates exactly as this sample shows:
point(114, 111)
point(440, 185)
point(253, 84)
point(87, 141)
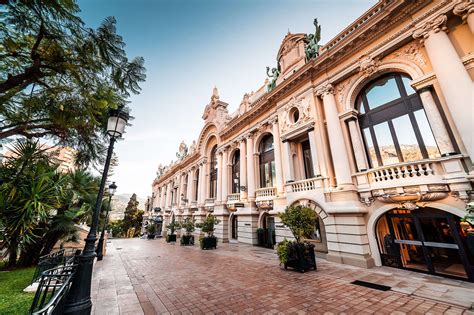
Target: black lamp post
point(79, 296)
point(100, 245)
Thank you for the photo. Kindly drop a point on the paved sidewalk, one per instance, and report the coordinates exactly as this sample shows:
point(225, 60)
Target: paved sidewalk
point(152, 277)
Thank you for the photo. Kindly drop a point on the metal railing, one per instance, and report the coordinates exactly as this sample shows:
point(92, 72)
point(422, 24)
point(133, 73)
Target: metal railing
point(54, 284)
point(48, 261)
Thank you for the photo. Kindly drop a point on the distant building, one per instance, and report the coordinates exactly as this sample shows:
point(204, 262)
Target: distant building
point(63, 156)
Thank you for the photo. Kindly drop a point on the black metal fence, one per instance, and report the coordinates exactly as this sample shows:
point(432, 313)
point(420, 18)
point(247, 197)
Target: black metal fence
point(52, 260)
point(52, 290)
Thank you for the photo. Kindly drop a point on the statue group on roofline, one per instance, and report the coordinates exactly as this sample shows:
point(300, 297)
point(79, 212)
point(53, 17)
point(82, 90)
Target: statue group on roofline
point(312, 42)
point(273, 76)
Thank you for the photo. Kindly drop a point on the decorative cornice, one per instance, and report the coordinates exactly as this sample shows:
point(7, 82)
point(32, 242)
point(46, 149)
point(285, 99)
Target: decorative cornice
point(464, 8)
point(435, 25)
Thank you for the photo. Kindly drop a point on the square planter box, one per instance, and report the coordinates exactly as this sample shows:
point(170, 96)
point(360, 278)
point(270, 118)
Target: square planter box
point(171, 238)
point(187, 240)
point(301, 257)
point(151, 236)
point(209, 242)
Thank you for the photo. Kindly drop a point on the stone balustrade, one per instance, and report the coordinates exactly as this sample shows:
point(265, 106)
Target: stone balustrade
point(304, 185)
point(265, 193)
point(233, 198)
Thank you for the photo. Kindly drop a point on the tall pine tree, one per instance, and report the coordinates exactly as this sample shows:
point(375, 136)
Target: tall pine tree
point(132, 221)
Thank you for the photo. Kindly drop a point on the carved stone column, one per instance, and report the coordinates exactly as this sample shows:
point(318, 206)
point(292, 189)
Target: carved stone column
point(220, 171)
point(201, 184)
point(250, 169)
point(169, 201)
point(243, 168)
point(179, 201)
point(225, 175)
point(189, 190)
point(336, 138)
point(289, 167)
point(314, 152)
point(163, 198)
point(277, 155)
point(465, 9)
point(357, 145)
point(436, 122)
point(452, 76)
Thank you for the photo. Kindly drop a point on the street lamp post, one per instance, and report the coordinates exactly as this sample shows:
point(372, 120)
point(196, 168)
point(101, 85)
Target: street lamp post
point(79, 296)
point(100, 244)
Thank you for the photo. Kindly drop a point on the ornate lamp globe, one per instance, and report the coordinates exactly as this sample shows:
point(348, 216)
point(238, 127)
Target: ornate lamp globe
point(117, 121)
point(112, 189)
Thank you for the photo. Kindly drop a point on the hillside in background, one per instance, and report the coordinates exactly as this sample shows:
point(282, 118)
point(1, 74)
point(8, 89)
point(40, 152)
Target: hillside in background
point(119, 203)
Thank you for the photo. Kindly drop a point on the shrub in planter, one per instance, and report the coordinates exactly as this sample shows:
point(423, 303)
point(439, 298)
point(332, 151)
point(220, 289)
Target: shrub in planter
point(188, 226)
point(209, 241)
point(171, 237)
point(298, 254)
point(151, 231)
point(261, 236)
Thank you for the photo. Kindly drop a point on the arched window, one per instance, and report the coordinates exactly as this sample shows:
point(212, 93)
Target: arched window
point(394, 123)
point(236, 172)
point(213, 173)
point(267, 162)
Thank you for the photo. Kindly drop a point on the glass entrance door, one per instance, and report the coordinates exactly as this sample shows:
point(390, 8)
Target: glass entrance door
point(426, 240)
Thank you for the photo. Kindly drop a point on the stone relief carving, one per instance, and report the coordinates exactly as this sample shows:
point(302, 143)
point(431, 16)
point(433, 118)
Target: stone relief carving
point(245, 104)
point(182, 151)
point(343, 90)
point(411, 197)
point(302, 105)
point(412, 52)
point(368, 65)
point(437, 24)
point(192, 147)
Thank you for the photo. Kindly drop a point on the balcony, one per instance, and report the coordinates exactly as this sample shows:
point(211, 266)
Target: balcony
point(304, 185)
point(232, 201)
point(427, 179)
point(264, 197)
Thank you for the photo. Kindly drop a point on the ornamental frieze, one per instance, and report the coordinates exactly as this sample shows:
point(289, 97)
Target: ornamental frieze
point(295, 114)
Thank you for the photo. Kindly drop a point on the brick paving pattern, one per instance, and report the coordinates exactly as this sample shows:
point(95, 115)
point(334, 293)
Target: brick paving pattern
point(152, 277)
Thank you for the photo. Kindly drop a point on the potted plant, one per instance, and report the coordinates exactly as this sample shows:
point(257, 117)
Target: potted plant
point(261, 237)
point(298, 254)
point(188, 226)
point(151, 230)
point(207, 226)
point(171, 227)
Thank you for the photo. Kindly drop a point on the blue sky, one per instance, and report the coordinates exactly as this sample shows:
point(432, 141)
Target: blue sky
point(191, 46)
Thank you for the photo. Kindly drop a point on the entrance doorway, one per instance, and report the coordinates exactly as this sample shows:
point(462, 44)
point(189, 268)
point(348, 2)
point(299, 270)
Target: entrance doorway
point(235, 227)
point(427, 240)
point(266, 231)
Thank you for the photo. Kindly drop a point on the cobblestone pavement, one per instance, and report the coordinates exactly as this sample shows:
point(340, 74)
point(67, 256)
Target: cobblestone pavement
point(152, 277)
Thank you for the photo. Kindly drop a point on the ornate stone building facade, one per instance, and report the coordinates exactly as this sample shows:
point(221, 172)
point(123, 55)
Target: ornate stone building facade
point(375, 134)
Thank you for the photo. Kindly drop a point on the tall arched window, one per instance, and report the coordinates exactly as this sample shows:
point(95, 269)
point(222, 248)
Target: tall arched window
point(213, 173)
point(236, 172)
point(267, 162)
point(394, 123)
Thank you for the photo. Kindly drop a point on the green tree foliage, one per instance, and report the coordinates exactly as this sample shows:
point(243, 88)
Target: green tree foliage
point(300, 220)
point(133, 219)
point(208, 225)
point(188, 225)
point(39, 205)
point(59, 78)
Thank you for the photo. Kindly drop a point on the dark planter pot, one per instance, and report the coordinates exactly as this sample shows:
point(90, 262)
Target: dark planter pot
point(301, 257)
point(171, 238)
point(209, 242)
point(187, 240)
point(260, 237)
point(151, 236)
